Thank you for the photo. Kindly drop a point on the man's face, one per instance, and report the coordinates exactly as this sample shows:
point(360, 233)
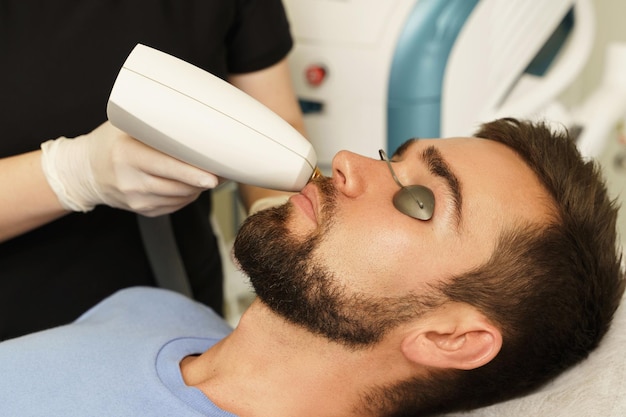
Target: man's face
point(342, 261)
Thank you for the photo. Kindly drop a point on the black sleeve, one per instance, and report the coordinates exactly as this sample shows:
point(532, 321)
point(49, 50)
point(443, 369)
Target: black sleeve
point(260, 36)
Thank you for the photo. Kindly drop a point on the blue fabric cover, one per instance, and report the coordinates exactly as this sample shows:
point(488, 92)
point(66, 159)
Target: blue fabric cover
point(121, 358)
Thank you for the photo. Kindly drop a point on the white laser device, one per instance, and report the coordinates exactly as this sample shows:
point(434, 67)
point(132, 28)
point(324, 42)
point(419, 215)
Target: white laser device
point(196, 117)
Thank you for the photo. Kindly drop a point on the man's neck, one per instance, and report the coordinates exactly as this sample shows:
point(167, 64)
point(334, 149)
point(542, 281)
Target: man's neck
point(268, 367)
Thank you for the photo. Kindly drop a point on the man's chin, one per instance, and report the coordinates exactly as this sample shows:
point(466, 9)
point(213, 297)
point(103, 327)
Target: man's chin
point(261, 238)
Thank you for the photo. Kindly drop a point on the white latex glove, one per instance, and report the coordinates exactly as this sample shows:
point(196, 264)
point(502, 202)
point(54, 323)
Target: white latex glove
point(109, 167)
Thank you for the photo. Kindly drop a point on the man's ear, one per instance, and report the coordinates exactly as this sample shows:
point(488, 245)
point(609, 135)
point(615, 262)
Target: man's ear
point(455, 336)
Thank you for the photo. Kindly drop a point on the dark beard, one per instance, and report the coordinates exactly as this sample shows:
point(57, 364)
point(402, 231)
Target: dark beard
point(291, 282)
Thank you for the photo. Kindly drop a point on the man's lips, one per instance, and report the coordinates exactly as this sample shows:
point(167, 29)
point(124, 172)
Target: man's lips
point(306, 201)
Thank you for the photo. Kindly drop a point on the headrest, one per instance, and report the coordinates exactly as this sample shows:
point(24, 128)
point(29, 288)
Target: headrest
point(595, 387)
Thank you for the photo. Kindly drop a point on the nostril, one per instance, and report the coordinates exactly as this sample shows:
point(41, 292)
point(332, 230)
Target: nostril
point(338, 168)
point(349, 171)
point(341, 165)
point(339, 176)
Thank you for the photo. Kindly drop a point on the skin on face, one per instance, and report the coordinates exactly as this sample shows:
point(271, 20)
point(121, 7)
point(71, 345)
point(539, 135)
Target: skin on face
point(343, 264)
point(376, 250)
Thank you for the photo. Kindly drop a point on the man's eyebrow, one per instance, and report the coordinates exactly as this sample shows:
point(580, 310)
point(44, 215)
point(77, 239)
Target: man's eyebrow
point(438, 166)
point(402, 148)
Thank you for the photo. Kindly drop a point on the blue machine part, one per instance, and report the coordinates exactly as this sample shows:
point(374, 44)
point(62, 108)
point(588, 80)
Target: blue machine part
point(544, 58)
point(420, 58)
point(418, 66)
point(310, 106)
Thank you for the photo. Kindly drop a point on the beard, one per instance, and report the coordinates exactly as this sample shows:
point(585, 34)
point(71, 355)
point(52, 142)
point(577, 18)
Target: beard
point(288, 278)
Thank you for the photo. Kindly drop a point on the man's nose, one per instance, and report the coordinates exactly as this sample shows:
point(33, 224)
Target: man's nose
point(351, 172)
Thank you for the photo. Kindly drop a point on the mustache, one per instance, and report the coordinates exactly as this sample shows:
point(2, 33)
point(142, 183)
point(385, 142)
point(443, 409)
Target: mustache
point(327, 192)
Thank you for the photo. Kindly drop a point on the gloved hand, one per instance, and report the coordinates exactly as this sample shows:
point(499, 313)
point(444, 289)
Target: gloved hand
point(109, 167)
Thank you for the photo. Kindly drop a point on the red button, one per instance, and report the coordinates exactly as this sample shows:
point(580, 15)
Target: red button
point(315, 75)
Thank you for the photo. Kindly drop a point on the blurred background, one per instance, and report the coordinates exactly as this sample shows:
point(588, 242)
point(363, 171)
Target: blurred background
point(562, 60)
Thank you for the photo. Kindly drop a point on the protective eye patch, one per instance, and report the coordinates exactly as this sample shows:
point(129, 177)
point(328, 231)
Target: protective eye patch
point(415, 201)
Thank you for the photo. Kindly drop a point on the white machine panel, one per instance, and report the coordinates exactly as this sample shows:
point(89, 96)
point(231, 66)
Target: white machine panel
point(353, 40)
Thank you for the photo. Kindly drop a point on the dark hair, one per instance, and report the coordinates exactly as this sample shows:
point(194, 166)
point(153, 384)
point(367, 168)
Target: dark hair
point(551, 288)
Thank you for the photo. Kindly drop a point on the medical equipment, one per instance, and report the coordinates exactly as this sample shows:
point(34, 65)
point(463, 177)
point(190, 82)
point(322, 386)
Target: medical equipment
point(200, 119)
point(371, 74)
point(415, 201)
point(605, 108)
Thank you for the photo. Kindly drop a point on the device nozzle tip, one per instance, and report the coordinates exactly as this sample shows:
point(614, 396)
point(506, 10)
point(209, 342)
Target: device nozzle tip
point(316, 173)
